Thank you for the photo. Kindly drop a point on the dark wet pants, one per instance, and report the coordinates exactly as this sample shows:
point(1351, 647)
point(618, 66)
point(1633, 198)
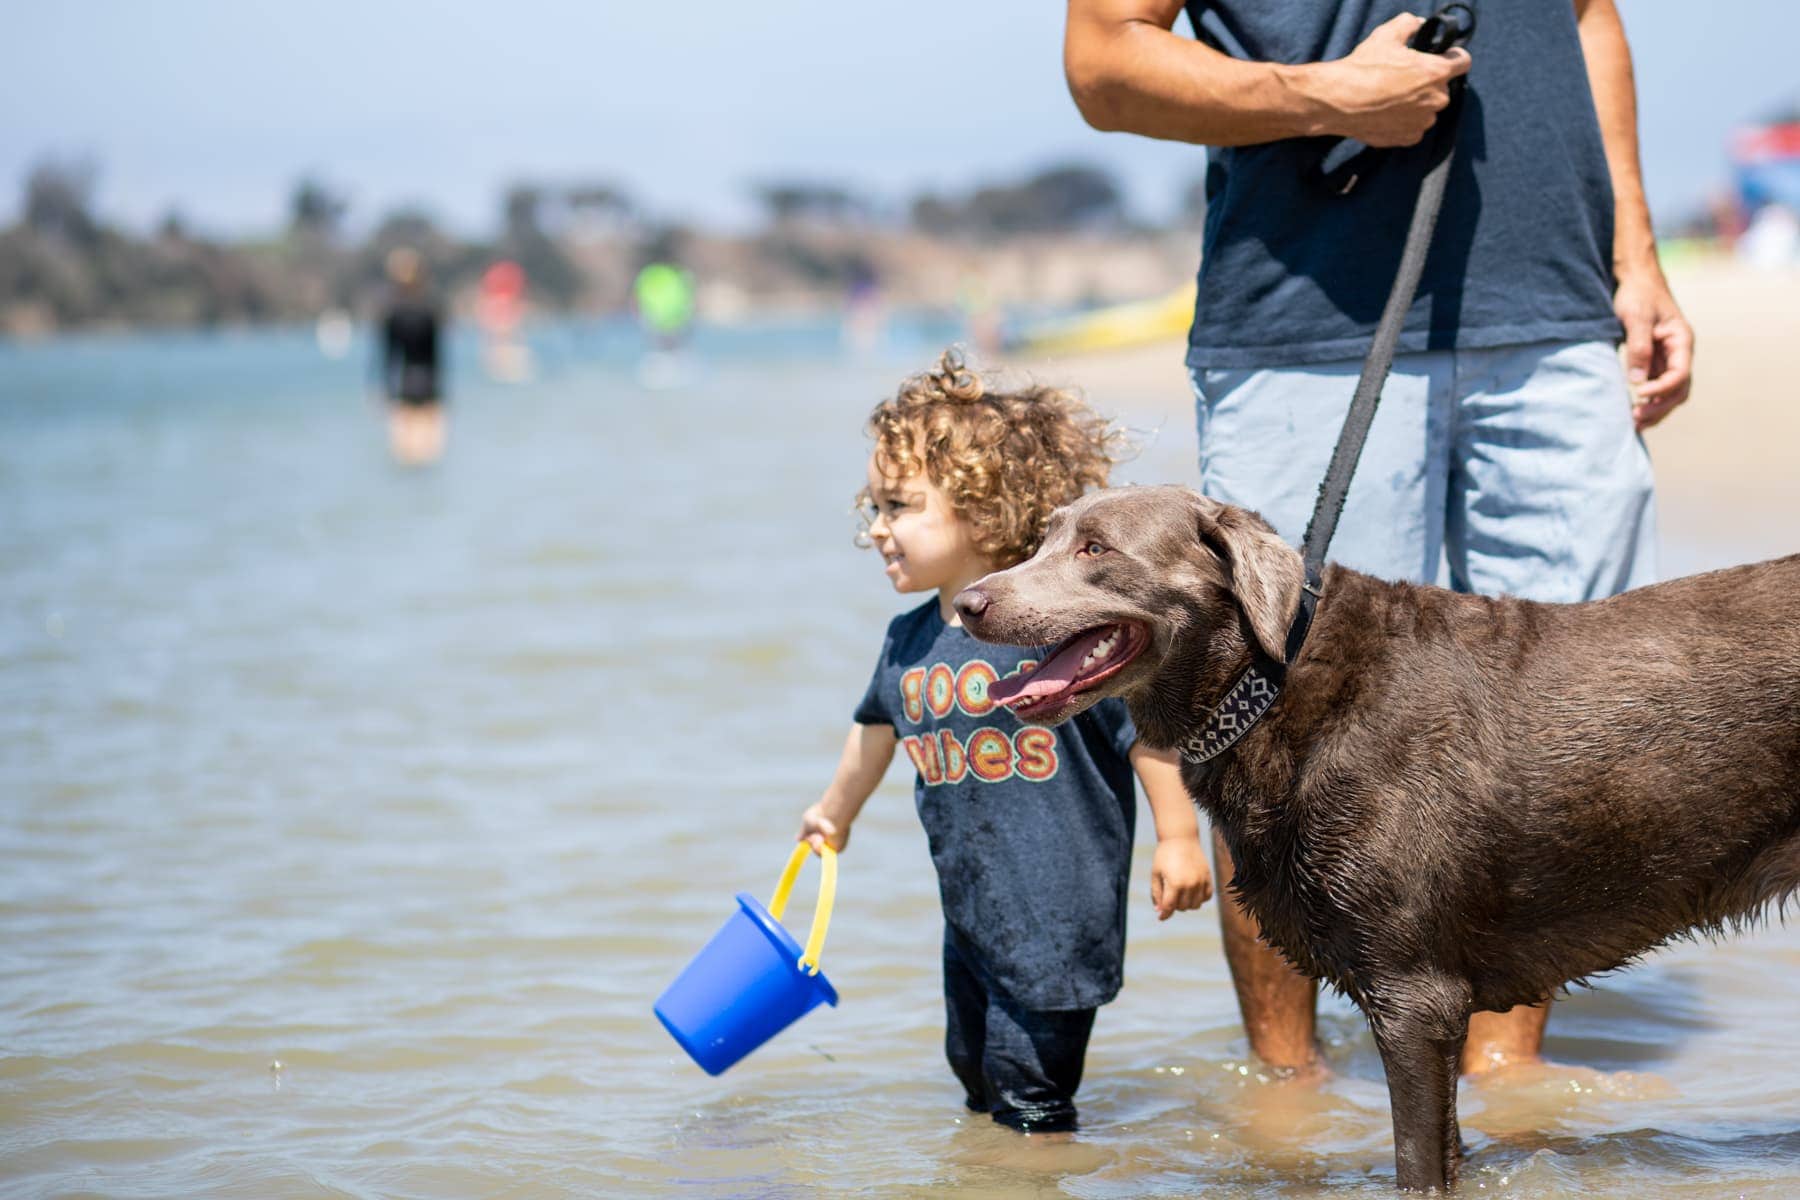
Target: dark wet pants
point(1019, 1065)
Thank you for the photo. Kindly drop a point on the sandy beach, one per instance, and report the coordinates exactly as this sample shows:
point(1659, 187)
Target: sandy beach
point(1727, 462)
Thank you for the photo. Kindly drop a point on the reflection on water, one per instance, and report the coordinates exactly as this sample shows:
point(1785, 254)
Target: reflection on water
point(354, 817)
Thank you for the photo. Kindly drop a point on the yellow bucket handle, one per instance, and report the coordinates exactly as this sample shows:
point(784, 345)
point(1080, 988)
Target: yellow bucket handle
point(815, 941)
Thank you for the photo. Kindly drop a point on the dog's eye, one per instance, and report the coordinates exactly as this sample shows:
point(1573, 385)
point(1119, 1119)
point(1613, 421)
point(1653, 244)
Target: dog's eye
point(1093, 550)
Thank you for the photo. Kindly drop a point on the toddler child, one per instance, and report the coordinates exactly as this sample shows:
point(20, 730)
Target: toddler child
point(1030, 828)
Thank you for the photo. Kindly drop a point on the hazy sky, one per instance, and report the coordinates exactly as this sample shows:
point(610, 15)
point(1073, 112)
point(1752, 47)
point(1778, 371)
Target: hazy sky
point(216, 107)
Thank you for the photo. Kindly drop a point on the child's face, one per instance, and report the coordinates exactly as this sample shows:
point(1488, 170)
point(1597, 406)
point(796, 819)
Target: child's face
point(922, 541)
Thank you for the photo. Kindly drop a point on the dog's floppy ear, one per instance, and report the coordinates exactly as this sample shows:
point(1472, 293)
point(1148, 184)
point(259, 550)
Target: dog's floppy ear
point(1266, 573)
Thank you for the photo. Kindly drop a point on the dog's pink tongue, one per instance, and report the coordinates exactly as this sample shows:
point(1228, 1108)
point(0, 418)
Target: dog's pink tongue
point(1054, 674)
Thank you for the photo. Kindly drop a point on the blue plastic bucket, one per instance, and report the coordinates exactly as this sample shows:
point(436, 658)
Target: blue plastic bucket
point(752, 980)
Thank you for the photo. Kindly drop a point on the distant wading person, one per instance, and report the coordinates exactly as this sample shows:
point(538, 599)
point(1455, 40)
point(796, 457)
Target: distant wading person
point(663, 294)
point(1505, 456)
point(411, 373)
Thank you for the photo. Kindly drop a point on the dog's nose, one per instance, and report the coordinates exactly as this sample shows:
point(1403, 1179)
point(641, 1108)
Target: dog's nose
point(971, 603)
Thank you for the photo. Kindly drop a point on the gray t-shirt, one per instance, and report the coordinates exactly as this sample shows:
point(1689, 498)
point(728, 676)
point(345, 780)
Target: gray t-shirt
point(1030, 828)
point(1291, 274)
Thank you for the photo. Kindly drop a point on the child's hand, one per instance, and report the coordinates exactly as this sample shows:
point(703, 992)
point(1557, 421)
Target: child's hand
point(1180, 878)
point(818, 831)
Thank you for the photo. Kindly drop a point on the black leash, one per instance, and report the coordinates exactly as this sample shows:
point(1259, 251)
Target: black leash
point(1260, 685)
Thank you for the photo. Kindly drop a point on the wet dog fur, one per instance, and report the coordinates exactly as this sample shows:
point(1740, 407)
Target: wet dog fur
point(1458, 803)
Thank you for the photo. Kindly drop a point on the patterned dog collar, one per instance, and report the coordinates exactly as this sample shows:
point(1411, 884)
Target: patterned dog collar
point(1243, 706)
point(1258, 687)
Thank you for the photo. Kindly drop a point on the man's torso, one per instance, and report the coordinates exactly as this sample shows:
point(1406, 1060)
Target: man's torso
point(1293, 274)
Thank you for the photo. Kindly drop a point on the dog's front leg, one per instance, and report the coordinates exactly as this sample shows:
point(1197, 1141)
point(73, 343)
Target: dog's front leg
point(1420, 1028)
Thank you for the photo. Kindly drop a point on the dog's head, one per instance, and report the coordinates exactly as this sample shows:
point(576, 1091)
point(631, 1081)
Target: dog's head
point(1147, 592)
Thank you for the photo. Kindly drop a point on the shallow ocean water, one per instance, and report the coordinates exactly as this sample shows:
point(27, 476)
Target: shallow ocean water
point(351, 819)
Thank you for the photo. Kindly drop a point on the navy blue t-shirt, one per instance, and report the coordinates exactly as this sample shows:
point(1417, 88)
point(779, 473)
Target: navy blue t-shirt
point(1292, 274)
point(1030, 828)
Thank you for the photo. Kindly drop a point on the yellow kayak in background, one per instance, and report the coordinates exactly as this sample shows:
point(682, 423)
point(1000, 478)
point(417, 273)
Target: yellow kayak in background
point(1113, 327)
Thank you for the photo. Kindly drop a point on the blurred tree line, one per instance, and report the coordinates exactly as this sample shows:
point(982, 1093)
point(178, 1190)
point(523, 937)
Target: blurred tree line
point(62, 266)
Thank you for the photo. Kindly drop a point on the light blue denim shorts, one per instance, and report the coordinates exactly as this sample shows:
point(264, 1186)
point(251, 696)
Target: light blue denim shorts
point(1513, 470)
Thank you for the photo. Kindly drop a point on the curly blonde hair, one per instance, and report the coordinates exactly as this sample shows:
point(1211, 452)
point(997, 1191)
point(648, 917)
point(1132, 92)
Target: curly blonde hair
point(1005, 458)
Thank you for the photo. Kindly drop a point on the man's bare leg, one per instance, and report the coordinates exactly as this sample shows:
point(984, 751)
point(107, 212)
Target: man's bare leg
point(430, 430)
point(1504, 1039)
point(1277, 1002)
point(416, 433)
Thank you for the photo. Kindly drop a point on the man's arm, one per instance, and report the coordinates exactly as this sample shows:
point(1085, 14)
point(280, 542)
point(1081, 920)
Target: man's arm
point(1128, 71)
point(1659, 343)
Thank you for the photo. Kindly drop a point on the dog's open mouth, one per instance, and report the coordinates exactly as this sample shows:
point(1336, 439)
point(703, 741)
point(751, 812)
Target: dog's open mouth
point(1077, 665)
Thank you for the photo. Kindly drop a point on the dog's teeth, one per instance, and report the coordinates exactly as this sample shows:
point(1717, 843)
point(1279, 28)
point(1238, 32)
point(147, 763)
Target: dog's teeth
point(1100, 651)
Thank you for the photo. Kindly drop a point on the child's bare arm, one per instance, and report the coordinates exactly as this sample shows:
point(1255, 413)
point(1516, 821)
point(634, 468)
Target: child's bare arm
point(867, 752)
point(1180, 878)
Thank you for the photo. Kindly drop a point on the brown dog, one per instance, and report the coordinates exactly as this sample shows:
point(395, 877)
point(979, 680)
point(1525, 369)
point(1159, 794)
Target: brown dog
point(1457, 803)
